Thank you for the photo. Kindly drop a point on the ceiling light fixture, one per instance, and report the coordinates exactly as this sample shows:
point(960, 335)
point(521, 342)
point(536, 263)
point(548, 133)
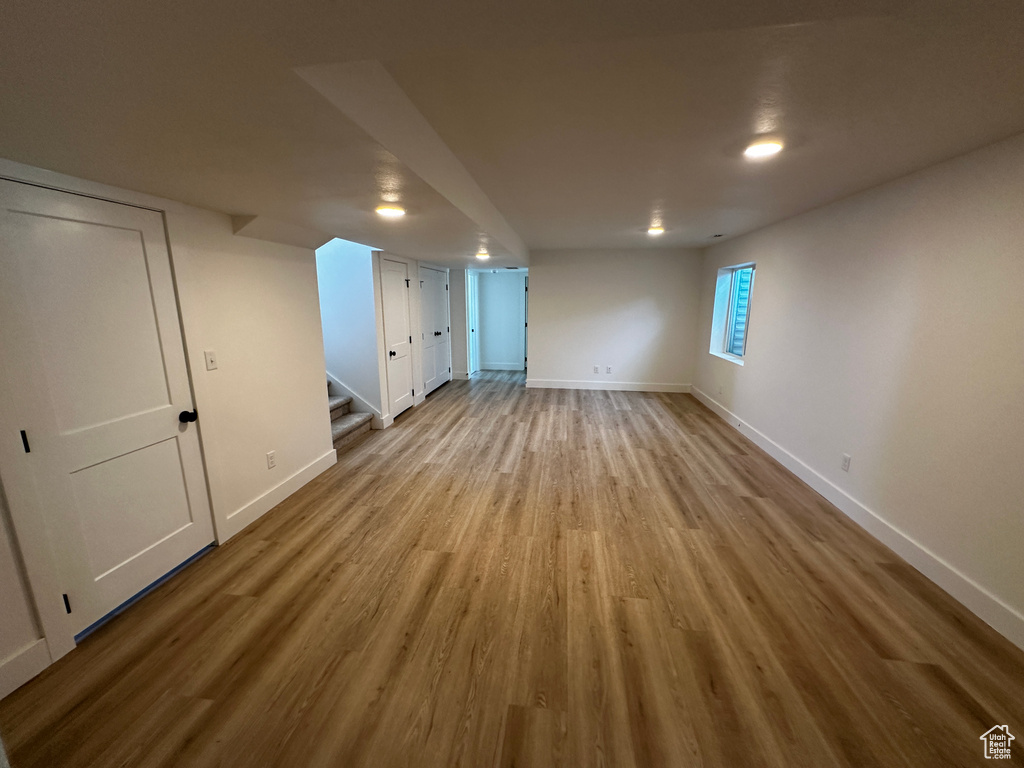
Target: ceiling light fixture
point(483, 255)
point(762, 149)
point(656, 231)
point(390, 211)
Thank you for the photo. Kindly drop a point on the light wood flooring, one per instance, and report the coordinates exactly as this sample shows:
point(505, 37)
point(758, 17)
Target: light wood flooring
point(513, 577)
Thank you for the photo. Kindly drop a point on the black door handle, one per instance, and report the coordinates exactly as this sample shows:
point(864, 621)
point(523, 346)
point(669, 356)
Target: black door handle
point(186, 417)
point(391, 353)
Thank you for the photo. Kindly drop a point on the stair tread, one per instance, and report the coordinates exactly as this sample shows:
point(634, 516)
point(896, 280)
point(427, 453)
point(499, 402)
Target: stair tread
point(336, 401)
point(350, 422)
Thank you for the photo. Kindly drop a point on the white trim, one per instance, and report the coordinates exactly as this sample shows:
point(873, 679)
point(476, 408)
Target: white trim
point(502, 367)
point(262, 504)
point(22, 665)
point(982, 603)
point(618, 386)
point(728, 356)
point(361, 404)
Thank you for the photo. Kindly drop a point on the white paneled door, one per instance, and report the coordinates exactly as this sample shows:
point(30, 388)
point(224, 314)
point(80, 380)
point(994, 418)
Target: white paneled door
point(473, 320)
point(436, 329)
point(395, 281)
point(96, 460)
point(431, 374)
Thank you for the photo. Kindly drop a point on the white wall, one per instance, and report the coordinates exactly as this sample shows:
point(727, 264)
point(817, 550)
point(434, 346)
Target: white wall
point(345, 276)
point(256, 304)
point(460, 330)
point(635, 311)
point(502, 320)
point(890, 326)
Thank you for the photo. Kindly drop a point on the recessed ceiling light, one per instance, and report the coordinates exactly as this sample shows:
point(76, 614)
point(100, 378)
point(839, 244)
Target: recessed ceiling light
point(761, 149)
point(390, 211)
point(483, 255)
point(656, 231)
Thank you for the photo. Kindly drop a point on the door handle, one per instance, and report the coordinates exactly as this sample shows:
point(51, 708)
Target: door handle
point(186, 417)
point(391, 353)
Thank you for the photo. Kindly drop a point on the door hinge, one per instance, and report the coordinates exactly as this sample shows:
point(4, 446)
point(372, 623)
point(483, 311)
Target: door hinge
point(67, 603)
point(449, 329)
point(24, 441)
point(446, 286)
point(526, 325)
point(414, 393)
point(410, 339)
point(407, 282)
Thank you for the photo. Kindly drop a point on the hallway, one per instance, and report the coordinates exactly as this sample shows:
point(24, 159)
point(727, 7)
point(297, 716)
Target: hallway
point(535, 577)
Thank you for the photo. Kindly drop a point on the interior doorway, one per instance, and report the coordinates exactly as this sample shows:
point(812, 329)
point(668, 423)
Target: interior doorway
point(501, 321)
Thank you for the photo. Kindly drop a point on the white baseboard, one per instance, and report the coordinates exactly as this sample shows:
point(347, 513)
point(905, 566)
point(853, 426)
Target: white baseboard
point(262, 504)
point(22, 665)
point(359, 403)
point(618, 386)
point(501, 367)
point(1003, 618)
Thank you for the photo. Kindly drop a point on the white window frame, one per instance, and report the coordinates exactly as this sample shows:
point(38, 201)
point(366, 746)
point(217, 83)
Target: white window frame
point(723, 319)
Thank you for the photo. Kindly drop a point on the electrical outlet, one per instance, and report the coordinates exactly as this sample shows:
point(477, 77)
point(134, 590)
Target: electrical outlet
point(846, 462)
point(607, 369)
point(597, 369)
point(211, 360)
point(271, 459)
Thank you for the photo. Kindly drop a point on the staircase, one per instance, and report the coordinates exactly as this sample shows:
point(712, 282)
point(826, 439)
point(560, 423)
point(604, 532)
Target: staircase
point(346, 427)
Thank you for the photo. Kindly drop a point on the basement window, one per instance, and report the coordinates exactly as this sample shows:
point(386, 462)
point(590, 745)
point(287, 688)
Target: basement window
point(731, 319)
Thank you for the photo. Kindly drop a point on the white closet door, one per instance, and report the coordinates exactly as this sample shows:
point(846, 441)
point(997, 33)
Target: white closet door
point(397, 334)
point(473, 320)
point(443, 321)
point(428, 312)
point(95, 459)
point(436, 336)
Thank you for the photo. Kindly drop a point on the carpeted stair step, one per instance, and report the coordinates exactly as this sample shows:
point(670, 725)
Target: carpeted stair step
point(349, 427)
point(339, 406)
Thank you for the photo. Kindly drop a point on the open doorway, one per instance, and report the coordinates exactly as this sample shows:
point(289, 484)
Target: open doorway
point(497, 309)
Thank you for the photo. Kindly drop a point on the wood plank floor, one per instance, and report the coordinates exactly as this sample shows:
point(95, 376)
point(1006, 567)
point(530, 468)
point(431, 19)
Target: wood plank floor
point(513, 577)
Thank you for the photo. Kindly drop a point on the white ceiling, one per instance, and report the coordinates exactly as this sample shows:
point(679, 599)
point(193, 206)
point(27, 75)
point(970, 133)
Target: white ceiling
point(566, 124)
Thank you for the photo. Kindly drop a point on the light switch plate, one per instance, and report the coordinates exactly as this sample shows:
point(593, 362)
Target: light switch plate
point(211, 360)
